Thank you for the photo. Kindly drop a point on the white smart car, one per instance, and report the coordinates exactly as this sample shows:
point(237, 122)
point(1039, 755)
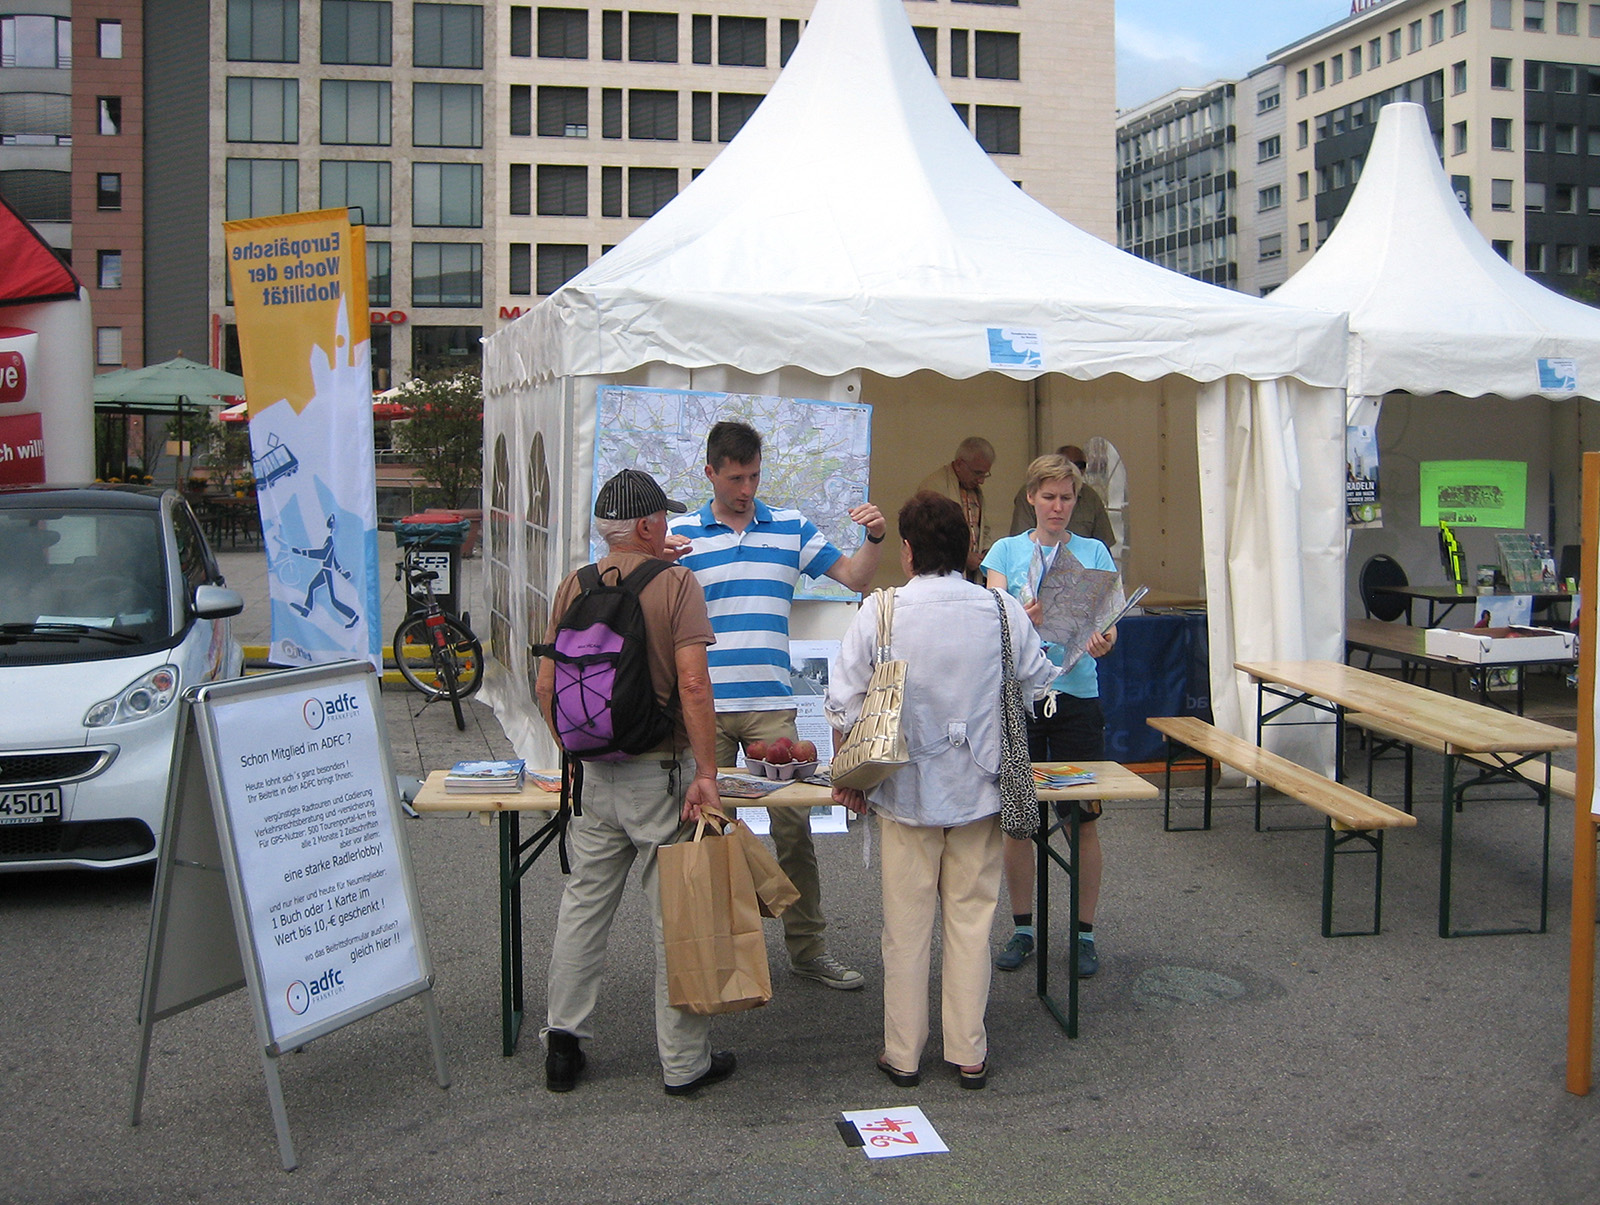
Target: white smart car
point(110, 605)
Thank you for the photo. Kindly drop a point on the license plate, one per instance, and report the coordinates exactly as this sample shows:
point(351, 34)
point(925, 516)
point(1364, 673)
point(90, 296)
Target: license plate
point(30, 806)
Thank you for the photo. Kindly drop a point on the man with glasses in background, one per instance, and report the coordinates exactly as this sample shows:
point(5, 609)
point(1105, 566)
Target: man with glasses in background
point(962, 482)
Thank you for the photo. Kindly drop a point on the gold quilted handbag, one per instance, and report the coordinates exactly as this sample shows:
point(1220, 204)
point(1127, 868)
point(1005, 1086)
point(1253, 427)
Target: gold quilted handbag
point(875, 747)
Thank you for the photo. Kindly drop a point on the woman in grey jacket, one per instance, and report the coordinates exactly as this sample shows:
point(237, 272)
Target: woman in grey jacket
point(938, 818)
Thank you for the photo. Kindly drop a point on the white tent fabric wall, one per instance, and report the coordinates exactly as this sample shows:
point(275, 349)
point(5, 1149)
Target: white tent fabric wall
point(854, 226)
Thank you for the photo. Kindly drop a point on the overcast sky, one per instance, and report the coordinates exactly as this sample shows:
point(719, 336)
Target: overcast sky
point(1164, 44)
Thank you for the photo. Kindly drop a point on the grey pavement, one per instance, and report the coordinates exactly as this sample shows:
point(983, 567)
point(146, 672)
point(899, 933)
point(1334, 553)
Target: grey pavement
point(1228, 1052)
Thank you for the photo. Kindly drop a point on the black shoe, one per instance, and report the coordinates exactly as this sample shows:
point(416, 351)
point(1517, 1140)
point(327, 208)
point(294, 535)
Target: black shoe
point(722, 1064)
point(900, 1079)
point(562, 1061)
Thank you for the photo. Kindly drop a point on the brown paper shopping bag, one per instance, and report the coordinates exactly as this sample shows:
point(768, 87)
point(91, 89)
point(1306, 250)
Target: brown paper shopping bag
point(716, 952)
point(774, 891)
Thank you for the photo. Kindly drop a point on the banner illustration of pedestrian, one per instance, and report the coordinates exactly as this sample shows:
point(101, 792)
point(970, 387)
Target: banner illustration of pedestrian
point(328, 558)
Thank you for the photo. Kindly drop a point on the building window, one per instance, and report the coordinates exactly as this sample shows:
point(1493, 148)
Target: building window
point(519, 277)
point(559, 263)
point(998, 129)
point(1563, 198)
point(447, 115)
point(742, 41)
point(1355, 61)
point(1458, 17)
point(611, 190)
point(521, 110)
point(357, 32)
point(378, 274)
point(37, 194)
point(700, 38)
point(263, 110)
point(652, 115)
point(109, 109)
point(1302, 134)
point(1594, 199)
point(1270, 197)
point(699, 118)
point(1302, 184)
point(1533, 16)
point(788, 39)
point(996, 55)
point(1566, 140)
point(448, 35)
point(521, 188)
point(260, 188)
point(1533, 258)
point(1567, 19)
point(1337, 63)
point(264, 31)
point(1594, 141)
point(1436, 27)
point(927, 42)
point(355, 112)
point(35, 119)
point(1533, 77)
point(1269, 148)
point(649, 189)
point(1375, 53)
point(1458, 138)
point(107, 346)
point(1533, 136)
point(611, 35)
point(1458, 78)
point(563, 33)
point(733, 110)
point(521, 41)
point(1499, 73)
point(1500, 194)
point(108, 39)
point(447, 194)
point(1304, 233)
point(1594, 20)
point(1563, 79)
point(1271, 247)
point(1500, 133)
point(1533, 196)
point(958, 53)
point(653, 37)
point(1268, 100)
point(447, 274)
point(1414, 37)
point(108, 269)
point(36, 41)
point(563, 191)
point(1394, 44)
point(611, 112)
point(446, 347)
point(1567, 260)
point(108, 191)
point(1319, 76)
point(1502, 248)
point(363, 186)
point(1300, 82)
point(563, 112)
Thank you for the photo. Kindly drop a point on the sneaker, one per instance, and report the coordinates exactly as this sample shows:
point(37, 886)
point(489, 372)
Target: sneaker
point(722, 1064)
point(562, 1061)
point(830, 972)
point(1088, 958)
point(1018, 950)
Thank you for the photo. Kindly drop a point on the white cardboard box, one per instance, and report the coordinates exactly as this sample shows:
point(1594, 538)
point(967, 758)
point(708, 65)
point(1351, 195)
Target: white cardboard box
point(1500, 646)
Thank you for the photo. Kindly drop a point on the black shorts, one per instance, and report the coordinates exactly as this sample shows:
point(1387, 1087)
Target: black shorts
point(1075, 733)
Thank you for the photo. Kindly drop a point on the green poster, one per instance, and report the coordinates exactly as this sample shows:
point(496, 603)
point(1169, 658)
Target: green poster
point(1474, 493)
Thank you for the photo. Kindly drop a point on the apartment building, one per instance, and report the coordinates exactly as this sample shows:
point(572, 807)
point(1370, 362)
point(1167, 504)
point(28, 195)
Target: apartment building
point(491, 150)
point(1512, 93)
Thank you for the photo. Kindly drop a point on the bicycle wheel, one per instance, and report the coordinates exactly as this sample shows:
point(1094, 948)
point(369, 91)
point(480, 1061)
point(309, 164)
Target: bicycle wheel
point(413, 657)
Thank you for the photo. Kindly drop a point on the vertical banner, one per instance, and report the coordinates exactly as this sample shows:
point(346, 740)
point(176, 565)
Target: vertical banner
point(300, 298)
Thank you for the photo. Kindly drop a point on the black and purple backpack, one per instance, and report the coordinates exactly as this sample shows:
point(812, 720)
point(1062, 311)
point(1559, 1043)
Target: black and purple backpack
point(605, 705)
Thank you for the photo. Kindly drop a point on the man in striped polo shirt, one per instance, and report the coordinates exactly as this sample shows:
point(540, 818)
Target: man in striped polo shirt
point(748, 557)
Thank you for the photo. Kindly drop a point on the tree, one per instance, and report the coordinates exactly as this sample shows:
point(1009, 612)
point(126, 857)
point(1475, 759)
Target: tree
point(443, 437)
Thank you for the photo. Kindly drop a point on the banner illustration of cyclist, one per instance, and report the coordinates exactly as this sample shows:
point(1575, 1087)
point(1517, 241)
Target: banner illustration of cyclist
point(300, 299)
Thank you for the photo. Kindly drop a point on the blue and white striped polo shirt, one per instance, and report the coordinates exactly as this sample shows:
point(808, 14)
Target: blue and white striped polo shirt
point(749, 579)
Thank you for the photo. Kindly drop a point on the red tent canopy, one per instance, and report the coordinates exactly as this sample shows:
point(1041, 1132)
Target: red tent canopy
point(33, 270)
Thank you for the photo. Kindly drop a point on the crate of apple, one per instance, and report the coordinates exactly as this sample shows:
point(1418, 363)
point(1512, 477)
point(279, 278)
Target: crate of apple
point(782, 758)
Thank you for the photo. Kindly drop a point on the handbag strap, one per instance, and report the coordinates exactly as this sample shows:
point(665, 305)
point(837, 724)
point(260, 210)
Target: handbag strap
point(1007, 664)
point(885, 601)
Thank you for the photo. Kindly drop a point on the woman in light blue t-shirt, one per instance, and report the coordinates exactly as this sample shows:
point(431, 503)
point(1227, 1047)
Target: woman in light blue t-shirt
point(1067, 725)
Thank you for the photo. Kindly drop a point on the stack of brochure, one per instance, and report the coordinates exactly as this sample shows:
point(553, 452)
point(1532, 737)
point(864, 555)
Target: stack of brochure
point(1055, 777)
point(487, 777)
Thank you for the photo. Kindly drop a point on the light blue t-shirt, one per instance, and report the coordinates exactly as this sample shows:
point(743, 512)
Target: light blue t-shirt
point(1013, 556)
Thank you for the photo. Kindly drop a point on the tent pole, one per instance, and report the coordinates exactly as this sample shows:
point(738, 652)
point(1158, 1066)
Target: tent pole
point(1035, 421)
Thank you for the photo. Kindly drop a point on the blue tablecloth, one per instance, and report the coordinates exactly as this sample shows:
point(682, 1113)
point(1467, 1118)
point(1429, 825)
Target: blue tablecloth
point(1158, 667)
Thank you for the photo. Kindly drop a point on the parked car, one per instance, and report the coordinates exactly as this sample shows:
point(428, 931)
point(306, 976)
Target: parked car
point(111, 604)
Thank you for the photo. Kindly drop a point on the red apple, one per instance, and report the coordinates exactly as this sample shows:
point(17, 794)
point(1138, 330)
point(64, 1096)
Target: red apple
point(779, 754)
point(805, 751)
point(756, 751)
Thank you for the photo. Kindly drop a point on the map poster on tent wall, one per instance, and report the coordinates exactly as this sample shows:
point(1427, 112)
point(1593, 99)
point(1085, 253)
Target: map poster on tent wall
point(815, 455)
point(1474, 493)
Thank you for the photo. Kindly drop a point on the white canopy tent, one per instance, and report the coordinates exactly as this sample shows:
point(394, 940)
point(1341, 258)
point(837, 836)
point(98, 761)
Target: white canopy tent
point(1437, 314)
point(854, 243)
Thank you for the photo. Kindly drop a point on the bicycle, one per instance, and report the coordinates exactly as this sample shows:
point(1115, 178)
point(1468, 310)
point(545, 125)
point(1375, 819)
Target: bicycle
point(435, 652)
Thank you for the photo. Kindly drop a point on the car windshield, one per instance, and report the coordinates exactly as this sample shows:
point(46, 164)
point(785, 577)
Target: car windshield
point(81, 583)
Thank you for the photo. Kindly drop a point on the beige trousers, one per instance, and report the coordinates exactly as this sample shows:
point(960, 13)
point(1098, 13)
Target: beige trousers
point(957, 869)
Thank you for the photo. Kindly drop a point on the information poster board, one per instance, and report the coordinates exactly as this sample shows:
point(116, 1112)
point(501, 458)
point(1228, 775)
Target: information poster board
point(1474, 493)
point(283, 816)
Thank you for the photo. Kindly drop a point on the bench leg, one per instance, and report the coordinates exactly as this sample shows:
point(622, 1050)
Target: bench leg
point(1454, 800)
point(1166, 808)
point(1332, 840)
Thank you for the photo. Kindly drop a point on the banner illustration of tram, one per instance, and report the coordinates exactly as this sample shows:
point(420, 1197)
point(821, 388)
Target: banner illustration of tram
point(299, 287)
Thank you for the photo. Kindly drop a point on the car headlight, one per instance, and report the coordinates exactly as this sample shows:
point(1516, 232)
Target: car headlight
point(144, 698)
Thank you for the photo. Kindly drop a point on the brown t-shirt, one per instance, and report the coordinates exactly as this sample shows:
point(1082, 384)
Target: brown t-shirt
point(674, 615)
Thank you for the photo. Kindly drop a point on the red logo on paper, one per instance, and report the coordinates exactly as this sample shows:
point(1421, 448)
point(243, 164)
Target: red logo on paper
point(13, 377)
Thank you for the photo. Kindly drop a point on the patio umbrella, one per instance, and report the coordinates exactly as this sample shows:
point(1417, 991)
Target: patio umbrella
point(175, 386)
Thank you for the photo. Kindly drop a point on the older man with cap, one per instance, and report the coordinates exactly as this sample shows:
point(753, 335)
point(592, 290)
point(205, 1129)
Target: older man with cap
point(962, 482)
point(633, 806)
